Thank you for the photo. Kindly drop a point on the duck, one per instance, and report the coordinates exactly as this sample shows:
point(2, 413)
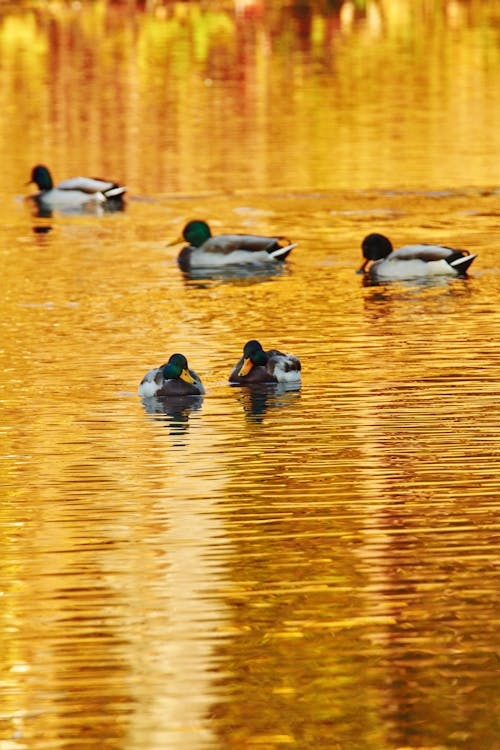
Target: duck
point(172, 379)
point(411, 261)
point(76, 192)
point(259, 366)
point(206, 251)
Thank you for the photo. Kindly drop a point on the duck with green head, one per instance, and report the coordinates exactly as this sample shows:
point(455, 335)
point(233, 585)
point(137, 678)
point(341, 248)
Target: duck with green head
point(259, 366)
point(172, 379)
point(383, 263)
point(206, 251)
point(77, 193)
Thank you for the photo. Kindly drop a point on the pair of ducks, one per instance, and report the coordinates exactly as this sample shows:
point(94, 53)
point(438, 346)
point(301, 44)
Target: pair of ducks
point(255, 366)
point(381, 262)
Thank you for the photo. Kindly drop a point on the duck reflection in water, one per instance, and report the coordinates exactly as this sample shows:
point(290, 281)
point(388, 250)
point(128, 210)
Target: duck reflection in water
point(173, 412)
point(260, 398)
point(241, 275)
point(416, 283)
point(39, 211)
point(42, 228)
point(421, 296)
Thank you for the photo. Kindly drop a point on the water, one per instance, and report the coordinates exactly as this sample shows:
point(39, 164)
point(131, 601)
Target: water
point(312, 568)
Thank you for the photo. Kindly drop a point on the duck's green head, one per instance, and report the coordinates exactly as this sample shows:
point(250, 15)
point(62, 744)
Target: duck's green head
point(40, 175)
point(253, 354)
point(196, 232)
point(177, 369)
point(375, 247)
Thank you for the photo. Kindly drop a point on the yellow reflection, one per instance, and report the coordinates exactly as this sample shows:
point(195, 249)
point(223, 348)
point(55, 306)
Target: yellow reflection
point(274, 541)
point(127, 600)
point(381, 94)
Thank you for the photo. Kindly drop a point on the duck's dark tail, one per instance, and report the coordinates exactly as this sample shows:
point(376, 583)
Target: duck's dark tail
point(114, 198)
point(460, 261)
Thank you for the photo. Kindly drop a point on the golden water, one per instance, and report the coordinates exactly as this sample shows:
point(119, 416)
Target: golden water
point(266, 570)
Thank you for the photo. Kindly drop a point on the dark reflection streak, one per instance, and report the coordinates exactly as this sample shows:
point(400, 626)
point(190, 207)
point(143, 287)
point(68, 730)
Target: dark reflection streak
point(239, 275)
point(41, 210)
point(256, 400)
point(382, 298)
point(413, 284)
point(173, 412)
point(415, 642)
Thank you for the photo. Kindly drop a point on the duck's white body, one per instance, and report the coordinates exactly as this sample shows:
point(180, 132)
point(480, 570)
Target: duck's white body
point(79, 191)
point(206, 258)
point(383, 263)
point(285, 368)
point(205, 251)
point(412, 261)
point(75, 193)
point(234, 250)
point(151, 383)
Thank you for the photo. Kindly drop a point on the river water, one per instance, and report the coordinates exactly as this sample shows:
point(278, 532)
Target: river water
point(251, 570)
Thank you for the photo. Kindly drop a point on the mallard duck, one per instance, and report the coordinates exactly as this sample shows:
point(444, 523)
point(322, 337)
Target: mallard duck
point(258, 366)
point(206, 251)
point(173, 379)
point(411, 261)
point(75, 193)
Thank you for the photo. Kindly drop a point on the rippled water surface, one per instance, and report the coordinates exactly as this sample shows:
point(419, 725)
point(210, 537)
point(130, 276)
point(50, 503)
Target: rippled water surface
point(312, 568)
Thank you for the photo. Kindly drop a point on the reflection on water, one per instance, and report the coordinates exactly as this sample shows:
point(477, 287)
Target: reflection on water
point(41, 210)
point(174, 412)
point(285, 98)
point(42, 229)
point(259, 568)
point(231, 273)
point(258, 399)
point(427, 282)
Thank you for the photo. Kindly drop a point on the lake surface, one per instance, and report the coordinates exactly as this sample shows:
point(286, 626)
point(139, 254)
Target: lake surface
point(251, 570)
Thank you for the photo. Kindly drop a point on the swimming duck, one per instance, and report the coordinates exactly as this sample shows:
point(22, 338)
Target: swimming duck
point(258, 366)
point(75, 193)
point(173, 379)
point(411, 261)
point(206, 251)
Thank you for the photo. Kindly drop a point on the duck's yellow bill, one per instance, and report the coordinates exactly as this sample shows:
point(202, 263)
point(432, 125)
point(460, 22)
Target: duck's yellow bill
point(187, 377)
point(175, 242)
point(247, 366)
